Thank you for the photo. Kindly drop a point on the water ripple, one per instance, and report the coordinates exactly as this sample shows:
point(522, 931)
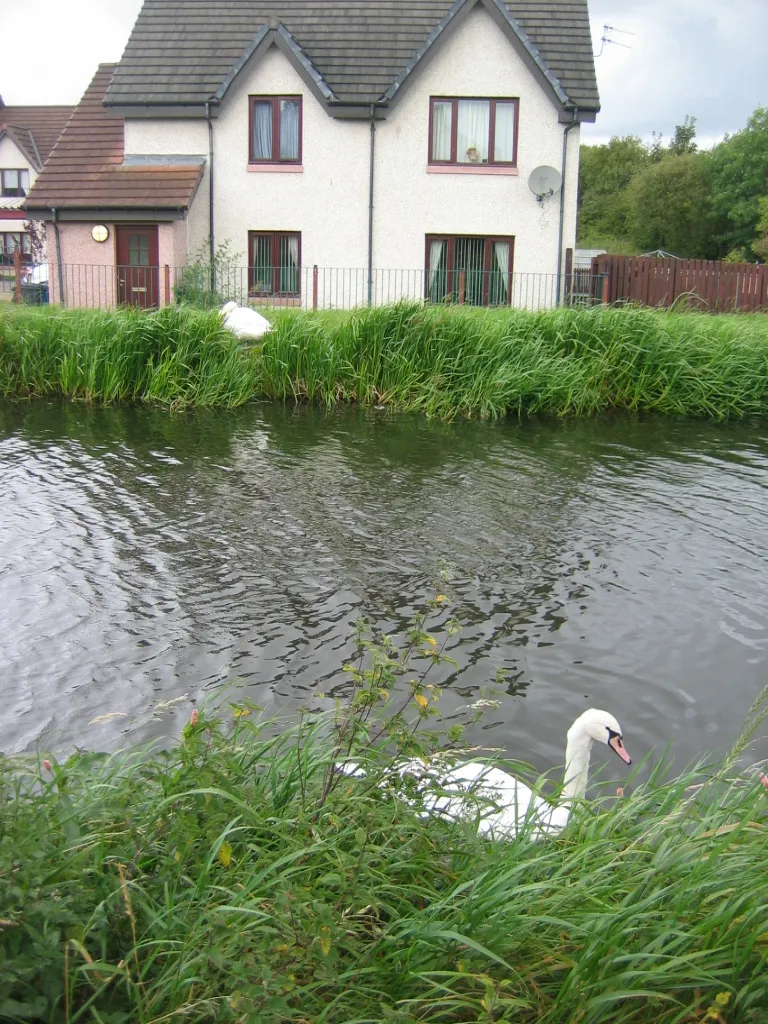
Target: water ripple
point(146, 557)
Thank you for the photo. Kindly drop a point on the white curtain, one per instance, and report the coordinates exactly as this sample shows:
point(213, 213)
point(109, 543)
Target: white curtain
point(293, 251)
point(501, 252)
point(472, 131)
point(289, 130)
point(499, 290)
point(441, 130)
point(504, 140)
point(262, 131)
point(436, 251)
point(289, 259)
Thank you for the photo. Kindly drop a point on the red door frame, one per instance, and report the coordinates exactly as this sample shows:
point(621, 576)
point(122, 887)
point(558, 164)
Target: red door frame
point(137, 285)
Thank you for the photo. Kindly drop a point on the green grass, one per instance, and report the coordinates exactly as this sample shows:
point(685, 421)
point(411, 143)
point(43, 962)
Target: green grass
point(443, 362)
point(177, 356)
point(211, 882)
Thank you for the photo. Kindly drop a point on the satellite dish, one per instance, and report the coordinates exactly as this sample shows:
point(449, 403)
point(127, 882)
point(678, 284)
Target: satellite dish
point(544, 182)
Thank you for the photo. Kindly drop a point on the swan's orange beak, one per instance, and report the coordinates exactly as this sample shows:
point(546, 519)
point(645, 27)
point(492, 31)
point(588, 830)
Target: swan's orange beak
point(616, 743)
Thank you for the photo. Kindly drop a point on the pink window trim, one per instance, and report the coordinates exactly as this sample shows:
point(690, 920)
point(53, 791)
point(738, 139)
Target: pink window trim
point(274, 168)
point(474, 169)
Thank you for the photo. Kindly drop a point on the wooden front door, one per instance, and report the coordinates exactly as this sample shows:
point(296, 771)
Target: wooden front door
point(138, 272)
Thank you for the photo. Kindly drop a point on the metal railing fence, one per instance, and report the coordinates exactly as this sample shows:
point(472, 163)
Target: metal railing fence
point(306, 287)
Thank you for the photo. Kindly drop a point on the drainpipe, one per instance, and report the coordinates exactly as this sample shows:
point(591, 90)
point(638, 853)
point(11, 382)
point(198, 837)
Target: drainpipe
point(55, 218)
point(211, 245)
point(370, 208)
point(568, 128)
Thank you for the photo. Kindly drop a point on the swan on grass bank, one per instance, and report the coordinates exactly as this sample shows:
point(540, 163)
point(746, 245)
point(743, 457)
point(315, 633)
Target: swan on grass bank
point(244, 322)
point(460, 791)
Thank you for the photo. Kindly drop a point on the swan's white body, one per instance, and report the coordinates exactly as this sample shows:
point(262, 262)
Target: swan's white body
point(504, 805)
point(244, 322)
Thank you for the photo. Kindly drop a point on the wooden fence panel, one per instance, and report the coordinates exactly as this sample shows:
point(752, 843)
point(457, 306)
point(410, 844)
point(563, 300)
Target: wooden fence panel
point(704, 284)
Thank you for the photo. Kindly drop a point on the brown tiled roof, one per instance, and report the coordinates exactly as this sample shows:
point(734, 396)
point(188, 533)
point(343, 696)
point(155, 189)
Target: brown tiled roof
point(86, 170)
point(183, 51)
point(34, 129)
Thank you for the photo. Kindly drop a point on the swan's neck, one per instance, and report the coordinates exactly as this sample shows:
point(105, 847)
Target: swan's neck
point(576, 765)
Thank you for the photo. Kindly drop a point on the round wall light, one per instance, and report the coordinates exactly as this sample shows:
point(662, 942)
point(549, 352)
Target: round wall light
point(100, 233)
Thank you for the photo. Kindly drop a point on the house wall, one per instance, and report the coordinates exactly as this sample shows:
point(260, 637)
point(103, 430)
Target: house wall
point(11, 157)
point(89, 267)
point(327, 199)
point(411, 201)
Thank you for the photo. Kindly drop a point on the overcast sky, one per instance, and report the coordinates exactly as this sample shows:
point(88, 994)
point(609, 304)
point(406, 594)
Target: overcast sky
point(699, 57)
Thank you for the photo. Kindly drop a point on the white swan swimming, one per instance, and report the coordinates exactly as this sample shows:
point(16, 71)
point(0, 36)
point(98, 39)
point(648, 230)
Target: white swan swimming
point(515, 805)
point(244, 322)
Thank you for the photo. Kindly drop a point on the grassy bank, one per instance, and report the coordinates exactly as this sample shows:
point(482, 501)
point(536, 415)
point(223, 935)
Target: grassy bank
point(177, 356)
point(444, 362)
point(214, 882)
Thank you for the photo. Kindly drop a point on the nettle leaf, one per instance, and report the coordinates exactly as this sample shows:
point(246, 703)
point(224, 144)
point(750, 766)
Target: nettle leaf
point(10, 1008)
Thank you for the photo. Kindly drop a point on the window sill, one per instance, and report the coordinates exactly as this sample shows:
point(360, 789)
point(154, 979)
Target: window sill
point(471, 169)
point(259, 299)
point(274, 168)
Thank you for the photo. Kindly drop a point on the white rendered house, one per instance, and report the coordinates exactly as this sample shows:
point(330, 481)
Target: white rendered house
point(369, 140)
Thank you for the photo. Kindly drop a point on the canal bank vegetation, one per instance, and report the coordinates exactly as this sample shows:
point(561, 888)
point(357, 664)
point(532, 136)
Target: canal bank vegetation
point(442, 361)
point(238, 877)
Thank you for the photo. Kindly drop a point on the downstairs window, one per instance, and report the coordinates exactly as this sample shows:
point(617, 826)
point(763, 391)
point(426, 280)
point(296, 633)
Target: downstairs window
point(476, 270)
point(10, 241)
point(274, 263)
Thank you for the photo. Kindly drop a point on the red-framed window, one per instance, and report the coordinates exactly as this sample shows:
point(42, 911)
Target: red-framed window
point(10, 241)
point(274, 263)
point(275, 126)
point(14, 181)
point(473, 131)
point(473, 269)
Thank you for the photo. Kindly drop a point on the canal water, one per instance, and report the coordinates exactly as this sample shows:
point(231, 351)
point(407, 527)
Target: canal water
point(148, 557)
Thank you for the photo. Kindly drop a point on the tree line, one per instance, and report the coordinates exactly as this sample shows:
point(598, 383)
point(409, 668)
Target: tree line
point(637, 197)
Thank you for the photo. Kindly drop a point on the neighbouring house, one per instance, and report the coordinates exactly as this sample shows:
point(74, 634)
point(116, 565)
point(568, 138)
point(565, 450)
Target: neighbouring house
point(27, 136)
point(391, 145)
point(105, 209)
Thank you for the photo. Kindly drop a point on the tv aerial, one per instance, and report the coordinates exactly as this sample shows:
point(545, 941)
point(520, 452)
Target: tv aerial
point(544, 182)
point(607, 41)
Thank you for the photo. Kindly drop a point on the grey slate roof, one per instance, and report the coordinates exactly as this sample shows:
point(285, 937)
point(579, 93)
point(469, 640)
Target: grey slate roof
point(185, 51)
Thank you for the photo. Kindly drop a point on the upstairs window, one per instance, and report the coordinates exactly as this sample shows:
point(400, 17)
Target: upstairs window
point(473, 131)
point(14, 182)
point(275, 130)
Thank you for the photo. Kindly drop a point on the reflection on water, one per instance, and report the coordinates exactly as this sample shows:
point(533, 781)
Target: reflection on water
point(145, 556)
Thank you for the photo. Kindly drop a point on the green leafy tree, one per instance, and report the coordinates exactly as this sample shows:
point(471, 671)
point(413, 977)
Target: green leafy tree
point(739, 182)
point(604, 176)
point(670, 206)
point(761, 245)
point(683, 141)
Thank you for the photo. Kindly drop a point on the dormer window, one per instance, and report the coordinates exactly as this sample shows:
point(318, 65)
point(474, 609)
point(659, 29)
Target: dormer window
point(14, 182)
point(275, 130)
point(473, 131)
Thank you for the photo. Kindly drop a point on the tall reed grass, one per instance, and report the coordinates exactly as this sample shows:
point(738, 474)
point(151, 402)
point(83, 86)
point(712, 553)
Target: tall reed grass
point(442, 361)
point(176, 356)
point(214, 882)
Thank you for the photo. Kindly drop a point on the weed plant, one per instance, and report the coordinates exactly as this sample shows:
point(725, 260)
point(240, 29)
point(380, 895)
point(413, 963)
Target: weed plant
point(442, 361)
point(239, 877)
